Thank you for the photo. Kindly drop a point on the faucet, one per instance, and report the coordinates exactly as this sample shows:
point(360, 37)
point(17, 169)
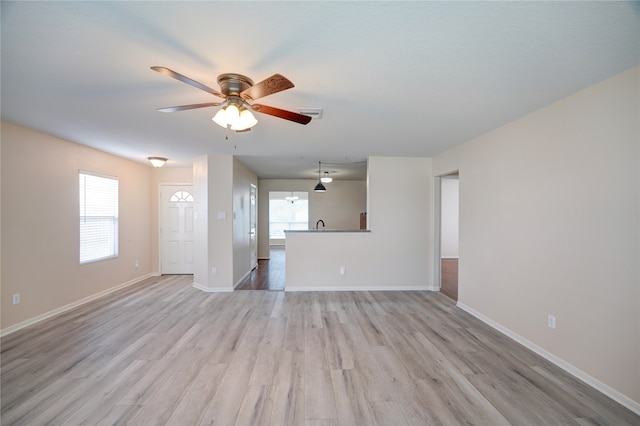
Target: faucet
point(319, 220)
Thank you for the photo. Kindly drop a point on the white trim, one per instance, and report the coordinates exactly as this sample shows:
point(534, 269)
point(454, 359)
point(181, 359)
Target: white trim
point(65, 308)
point(213, 289)
point(363, 288)
point(594, 383)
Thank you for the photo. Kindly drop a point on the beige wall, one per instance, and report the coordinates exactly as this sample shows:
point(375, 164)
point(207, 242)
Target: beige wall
point(213, 210)
point(40, 231)
point(221, 209)
point(398, 252)
point(549, 224)
point(339, 207)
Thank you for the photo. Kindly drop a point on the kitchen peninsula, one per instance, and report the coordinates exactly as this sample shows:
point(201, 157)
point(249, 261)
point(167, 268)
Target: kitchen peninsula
point(393, 253)
point(313, 254)
point(304, 231)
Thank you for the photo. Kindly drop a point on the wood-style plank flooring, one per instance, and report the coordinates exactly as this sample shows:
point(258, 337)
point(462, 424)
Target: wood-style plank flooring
point(449, 278)
point(269, 274)
point(163, 352)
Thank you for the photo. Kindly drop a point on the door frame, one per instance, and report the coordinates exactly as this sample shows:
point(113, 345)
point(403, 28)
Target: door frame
point(437, 227)
point(437, 231)
point(253, 224)
point(160, 217)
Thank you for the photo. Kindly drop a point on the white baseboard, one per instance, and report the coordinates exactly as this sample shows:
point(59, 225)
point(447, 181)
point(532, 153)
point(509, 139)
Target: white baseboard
point(364, 288)
point(212, 289)
point(65, 308)
point(594, 383)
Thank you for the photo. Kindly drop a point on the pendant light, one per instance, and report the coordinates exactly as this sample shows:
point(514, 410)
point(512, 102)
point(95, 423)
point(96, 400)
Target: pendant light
point(326, 178)
point(319, 187)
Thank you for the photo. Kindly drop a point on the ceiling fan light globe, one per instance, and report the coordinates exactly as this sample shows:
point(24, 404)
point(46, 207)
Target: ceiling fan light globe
point(220, 118)
point(232, 115)
point(245, 121)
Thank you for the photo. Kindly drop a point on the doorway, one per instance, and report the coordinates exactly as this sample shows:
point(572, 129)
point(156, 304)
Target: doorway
point(288, 210)
point(253, 226)
point(449, 228)
point(176, 229)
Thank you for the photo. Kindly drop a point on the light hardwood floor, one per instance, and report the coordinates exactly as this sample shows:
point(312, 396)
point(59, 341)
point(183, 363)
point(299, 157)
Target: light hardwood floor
point(163, 352)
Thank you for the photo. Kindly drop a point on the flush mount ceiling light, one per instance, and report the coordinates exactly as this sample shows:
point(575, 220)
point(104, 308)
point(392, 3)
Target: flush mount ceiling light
point(326, 178)
point(157, 161)
point(319, 187)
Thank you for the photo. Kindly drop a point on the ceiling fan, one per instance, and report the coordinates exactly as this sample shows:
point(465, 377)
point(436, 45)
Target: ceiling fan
point(237, 92)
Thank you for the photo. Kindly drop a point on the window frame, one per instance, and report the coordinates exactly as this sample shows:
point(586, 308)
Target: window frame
point(83, 218)
point(291, 223)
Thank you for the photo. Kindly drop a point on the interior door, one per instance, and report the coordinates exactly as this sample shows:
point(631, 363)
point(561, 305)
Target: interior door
point(176, 229)
point(253, 235)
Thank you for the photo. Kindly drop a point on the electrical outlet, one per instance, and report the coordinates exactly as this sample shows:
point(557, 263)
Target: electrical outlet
point(214, 270)
point(551, 321)
point(343, 270)
point(136, 264)
point(16, 299)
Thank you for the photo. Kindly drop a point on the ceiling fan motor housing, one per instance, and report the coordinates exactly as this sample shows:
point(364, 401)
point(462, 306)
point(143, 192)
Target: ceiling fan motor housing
point(233, 84)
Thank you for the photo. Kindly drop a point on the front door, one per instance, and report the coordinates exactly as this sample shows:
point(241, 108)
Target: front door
point(176, 229)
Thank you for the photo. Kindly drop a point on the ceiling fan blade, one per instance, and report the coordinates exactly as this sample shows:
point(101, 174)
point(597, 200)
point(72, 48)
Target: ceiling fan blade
point(182, 78)
point(274, 84)
point(280, 113)
point(186, 107)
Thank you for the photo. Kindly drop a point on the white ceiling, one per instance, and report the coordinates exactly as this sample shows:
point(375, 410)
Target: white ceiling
point(393, 78)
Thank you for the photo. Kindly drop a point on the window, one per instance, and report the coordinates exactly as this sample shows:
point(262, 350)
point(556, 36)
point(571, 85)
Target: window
point(287, 211)
point(181, 196)
point(98, 217)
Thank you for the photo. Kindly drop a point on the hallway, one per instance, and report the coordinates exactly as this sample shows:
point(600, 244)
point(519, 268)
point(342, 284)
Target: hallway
point(269, 274)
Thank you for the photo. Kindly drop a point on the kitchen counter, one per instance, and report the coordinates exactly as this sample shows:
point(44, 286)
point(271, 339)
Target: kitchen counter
point(325, 230)
point(344, 260)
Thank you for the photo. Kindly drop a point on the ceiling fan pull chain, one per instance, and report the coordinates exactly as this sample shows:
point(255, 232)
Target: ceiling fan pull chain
point(226, 138)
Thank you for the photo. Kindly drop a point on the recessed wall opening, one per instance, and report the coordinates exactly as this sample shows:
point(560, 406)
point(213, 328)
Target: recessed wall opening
point(448, 234)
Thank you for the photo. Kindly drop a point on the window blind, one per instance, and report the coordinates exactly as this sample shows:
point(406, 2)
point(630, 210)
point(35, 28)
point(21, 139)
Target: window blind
point(98, 197)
